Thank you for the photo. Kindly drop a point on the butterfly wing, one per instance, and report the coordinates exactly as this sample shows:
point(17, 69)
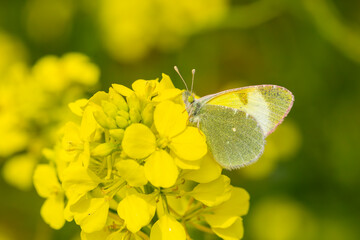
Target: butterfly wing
point(234, 137)
point(268, 104)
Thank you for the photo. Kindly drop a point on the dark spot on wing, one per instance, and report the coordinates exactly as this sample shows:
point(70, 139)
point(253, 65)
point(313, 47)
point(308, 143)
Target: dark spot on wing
point(243, 98)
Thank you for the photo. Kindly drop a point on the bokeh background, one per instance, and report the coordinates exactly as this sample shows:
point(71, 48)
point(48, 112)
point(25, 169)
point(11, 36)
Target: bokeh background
point(306, 185)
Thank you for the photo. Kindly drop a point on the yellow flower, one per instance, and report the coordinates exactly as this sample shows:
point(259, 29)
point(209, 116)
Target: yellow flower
point(225, 214)
point(18, 171)
point(77, 181)
point(34, 102)
point(213, 193)
point(91, 214)
point(135, 154)
point(131, 29)
point(47, 185)
point(185, 142)
point(137, 210)
point(132, 172)
point(161, 170)
point(207, 171)
point(234, 232)
point(167, 228)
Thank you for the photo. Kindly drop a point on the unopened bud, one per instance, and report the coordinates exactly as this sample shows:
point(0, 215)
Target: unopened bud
point(121, 122)
point(104, 121)
point(124, 114)
point(117, 134)
point(103, 149)
point(109, 108)
point(148, 114)
point(118, 100)
point(135, 116)
point(133, 102)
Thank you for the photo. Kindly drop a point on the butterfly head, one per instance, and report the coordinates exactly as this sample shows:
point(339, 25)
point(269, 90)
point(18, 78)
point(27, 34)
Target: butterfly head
point(188, 98)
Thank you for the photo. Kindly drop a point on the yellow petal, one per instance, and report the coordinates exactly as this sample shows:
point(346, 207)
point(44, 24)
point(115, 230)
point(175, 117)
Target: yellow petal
point(225, 214)
point(184, 164)
point(208, 171)
point(213, 193)
point(68, 214)
point(71, 140)
point(91, 214)
point(234, 232)
point(88, 123)
point(123, 235)
point(18, 171)
point(137, 210)
point(237, 205)
point(145, 88)
point(132, 172)
point(78, 106)
point(139, 141)
point(161, 170)
point(179, 205)
point(167, 94)
point(165, 83)
point(189, 145)
point(125, 91)
point(78, 180)
point(103, 149)
point(52, 211)
point(167, 228)
point(78, 68)
point(220, 221)
point(45, 180)
point(97, 98)
point(102, 234)
point(170, 119)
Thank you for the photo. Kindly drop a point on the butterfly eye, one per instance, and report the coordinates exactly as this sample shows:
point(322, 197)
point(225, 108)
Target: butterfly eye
point(190, 99)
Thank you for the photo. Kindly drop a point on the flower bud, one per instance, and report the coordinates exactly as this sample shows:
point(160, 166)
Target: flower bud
point(124, 114)
point(104, 121)
point(117, 134)
point(103, 149)
point(121, 122)
point(109, 108)
point(133, 102)
point(118, 100)
point(148, 115)
point(135, 116)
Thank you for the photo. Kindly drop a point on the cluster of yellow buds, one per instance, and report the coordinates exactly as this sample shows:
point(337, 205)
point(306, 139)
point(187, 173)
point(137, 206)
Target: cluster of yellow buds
point(134, 169)
point(33, 104)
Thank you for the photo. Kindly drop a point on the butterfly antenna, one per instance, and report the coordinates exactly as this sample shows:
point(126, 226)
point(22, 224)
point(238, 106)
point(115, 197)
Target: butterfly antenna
point(192, 80)
point(178, 72)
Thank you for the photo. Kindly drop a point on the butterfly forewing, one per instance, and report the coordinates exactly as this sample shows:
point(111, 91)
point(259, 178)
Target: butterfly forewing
point(268, 104)
point(234, 137)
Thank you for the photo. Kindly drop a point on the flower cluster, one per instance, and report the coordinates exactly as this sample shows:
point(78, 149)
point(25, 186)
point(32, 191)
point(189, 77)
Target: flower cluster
point(132, 29)
point(133, 169)
point(33, 104)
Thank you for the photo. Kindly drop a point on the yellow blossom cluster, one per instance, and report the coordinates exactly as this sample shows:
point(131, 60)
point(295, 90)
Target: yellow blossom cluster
point(33, 104)
point(132, 29)
point(132, 168)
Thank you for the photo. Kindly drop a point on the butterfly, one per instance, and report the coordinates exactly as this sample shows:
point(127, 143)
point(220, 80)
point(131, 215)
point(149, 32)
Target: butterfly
point(237, 121)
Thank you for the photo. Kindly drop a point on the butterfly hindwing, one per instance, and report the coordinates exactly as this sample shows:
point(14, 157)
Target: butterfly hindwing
point(268, 104)
point(233, 136)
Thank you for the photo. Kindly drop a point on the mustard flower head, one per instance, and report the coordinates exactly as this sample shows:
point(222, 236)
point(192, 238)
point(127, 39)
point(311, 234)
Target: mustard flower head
point(132, 29)
point(33, 103)
point(134, 169)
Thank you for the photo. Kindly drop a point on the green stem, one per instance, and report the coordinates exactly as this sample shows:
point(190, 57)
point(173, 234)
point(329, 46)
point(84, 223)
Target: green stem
point(333, 29)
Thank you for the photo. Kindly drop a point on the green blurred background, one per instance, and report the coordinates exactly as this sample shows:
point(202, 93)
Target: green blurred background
point(306, 186)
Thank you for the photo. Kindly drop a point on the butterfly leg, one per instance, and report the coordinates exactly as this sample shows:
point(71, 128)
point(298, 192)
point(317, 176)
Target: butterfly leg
point(198, 127)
